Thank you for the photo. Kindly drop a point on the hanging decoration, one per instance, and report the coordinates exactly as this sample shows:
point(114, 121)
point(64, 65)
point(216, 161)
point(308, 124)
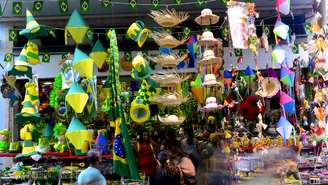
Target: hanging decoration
point(207, 18)
point(37, 6)
point(76, 27)
point(132, 4)
point(155, 4)
point(84, 5)
point(77, 98)
point(138, 32)
point(46, 58)
point(83, 64)
point(13, 35)
point(17, 8)
point(106, 3)
point(99, 54)
point(283, 6)
point(178, 2)
point(63, 6)
point(168, 18)
point(200, 2)
point(8, 57)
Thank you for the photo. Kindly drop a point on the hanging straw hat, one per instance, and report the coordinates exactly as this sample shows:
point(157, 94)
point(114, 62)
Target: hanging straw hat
point(269, 87)
point(207, 17)
point(171, 119)
point(99, 54)
point(77, 98)
point(168, 18)
point(171, 60)
point(211, 105)
point(207, 39)
point(210, 58)
point(169, 99)
point(165, 40)
point(210, 80)
point(169, 79)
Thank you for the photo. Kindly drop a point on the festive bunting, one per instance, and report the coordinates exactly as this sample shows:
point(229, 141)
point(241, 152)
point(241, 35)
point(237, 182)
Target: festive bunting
point(12, 35)
point(37, 6)
point(132, 3)
point(46, 58)
point(200, 2)
point(287, 76)
point(17, 8)
point(76, 27)
point(8, 57)
point(63, 6)
point(238, 52)
point(84, 5)
point(89, 34)
point(186, 32)
point(106, 3)
point(178, 2)
point(155, 4)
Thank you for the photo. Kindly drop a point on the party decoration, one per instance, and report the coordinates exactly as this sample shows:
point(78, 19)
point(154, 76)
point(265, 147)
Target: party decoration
point(79, 136)
point(21, 63)
point(287, 102)
point(126, 61)
point(26, 136)
point(59, 131)
point(46, 57)
point(283, 6)
point(269, 87)
point(8, 57)
point(37, 6)
point(165, 40)
point(99, 54)
point(200, 2)
point(287, 76)
point(83, 64)
point(168, 18)
point(278, 55)
point(63, 6)
point(132, 3)
point(5, 137)
point(249, 75)
point(171, 119)
point(284, 128)
point(155, 3)
point(17, 8)
point(138, 32)
point(281, 30)
point(178, 2)
point(207, 39)
point(249, 109)
point(140, 68)
point(32, 30)
point(76, 27)
point(84, 5)
point(209, 58)
point(12, 35)
point(32, 53)
point(106, 3)
point(77, 98)
point(165, 60)
point(139, 112)
point(207, 17)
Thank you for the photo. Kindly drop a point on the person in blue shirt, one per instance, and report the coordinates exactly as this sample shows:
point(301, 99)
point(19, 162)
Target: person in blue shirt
point(91, 175)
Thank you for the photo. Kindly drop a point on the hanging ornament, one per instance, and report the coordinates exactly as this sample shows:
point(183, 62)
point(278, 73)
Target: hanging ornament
point(17, 8)
point(63, 6)
point(12, 35)
point(106, 3)
point(155, 4)
point(200, 2)
point(238, 52)
point(186, 32)
point(37, 6)
point(46, 58)
point(132, 3)
point(84, 5)
point(90, 35)
point(178, 2)
point(266, 30)
point(8, 57)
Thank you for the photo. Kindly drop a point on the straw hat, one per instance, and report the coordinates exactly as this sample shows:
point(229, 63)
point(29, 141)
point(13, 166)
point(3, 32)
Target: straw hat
point(207, 39)
point(210, 80)
point(169, 99)
point(211, 105)
point(171, 60)
point(168, 79)
point(165, 40)
point(210, 58)
point(168, 18)
point(269, 87)
point(207, 17)
point(171, 119)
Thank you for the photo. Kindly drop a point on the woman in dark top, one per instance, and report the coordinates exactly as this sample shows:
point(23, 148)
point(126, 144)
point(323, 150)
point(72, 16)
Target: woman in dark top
point(166, 174)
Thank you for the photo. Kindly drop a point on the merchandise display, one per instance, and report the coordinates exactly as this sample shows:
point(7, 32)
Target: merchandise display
point(199, 97)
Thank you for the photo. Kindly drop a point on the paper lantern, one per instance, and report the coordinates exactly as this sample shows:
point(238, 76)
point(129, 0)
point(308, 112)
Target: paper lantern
point(287, 102)
point(77, 134)
point(283, 6)
point(83, 64)
point(77, 98)
point(278, 54)
point(284, 128)
point(99, 54)
point(76, 27)
point(287, 76)
point(281, 30)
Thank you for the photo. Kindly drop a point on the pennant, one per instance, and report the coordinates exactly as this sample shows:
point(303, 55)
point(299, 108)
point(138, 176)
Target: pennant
point(8, 57)
point(46, 58)
point(37, 6)
point(52, 32)
point(200, 2)
point(132, 3)
point(128, 56)
point(63, 6)
point(90, 35)
point(13, 35)
point(106, 3)
point(155, 4)
point(295, 48)
point(17, 8)
point(266, 30)
point(238, 52)
point(186, 32)
point(84, 5)
point(178, 2)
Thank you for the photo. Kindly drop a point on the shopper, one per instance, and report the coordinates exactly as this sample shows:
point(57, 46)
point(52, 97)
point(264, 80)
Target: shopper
point(179, 158)
point(167, 173)
point(91, 175)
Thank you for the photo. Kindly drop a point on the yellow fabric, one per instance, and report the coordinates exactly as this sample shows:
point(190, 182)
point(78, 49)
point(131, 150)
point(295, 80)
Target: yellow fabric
point(134, 108)
point(99, 58)
point(77, 101)
point(143, 37)
point(117, 132)
point(78, 33)
point(28, 110)
point(32, 49)
point(77, 138)
point(85, 68)
point(26, 150)
point(21, 66)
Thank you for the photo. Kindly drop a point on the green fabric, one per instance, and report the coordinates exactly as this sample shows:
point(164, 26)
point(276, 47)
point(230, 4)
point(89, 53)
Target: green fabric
point(114, 75)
